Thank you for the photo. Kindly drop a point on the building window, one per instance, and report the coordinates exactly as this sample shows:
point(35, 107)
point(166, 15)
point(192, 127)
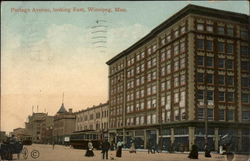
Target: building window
point(221, 63)
point(243, 34)
point(162, 86)
point(200, 77)
point(154, 62)
point(221, 30)
point(142, 120)
point(154, 75)
point(168, 68)
point(163, 71)
point(176, 81)
point(210, 114)
point(230, 115)
point(200, 44)
point(200, 27)
point(210, 95)
point(230, 96)
point(176, 33)
point(154, 48)
point(210, 28)
point(168, 102)
point(230, 31)
point(200, 60)
point(244, 65)
point(168, 53)
point(149, 104)
point(221, 114)
point(200, 114)
point(210, 78)
point(210, 62)
point(149, 77)
point(149, 91)
point(230, 80)
point(230, 48)
point(244, 50)
point(162, 100)
point(245, 82)
point(176, 50)
point(182, 63)
point(176, 115)
point(221, 79)
point(149, 119)
point(183, 29)
point(176, 97)
point(209, 45)
point(176, 65)
point(154, 119)
point(142, 67)
point(221, 96)
point(183, 79)
point(163, 55)
point(245, 98)
point(163, 41)
point(200, 94)
point(221, 47)
point(245, 115)
point(168, 116)
point(169, 38)
point(154, 89)
point(230, 64)
point(168, 84)
point(182, 47)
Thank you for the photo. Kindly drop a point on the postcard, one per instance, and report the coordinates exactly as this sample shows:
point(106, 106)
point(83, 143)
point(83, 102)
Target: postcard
point(125, 80)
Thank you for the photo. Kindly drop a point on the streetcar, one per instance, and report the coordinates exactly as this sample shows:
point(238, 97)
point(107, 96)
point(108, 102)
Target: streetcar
point(26, 140)
point(80, 139)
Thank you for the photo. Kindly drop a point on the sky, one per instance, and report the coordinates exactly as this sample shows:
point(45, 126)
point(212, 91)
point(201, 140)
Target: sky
point(58, 50)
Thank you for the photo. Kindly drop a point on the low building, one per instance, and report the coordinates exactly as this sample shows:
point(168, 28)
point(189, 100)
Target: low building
point(93, 118)
point(64, 125)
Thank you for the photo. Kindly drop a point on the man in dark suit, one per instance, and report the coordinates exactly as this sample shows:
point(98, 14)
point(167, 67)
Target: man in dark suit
point(105, 149)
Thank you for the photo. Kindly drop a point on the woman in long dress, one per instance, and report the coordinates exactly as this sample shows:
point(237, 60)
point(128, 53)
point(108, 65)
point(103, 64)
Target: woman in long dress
point(119, 149)
point(89, 152)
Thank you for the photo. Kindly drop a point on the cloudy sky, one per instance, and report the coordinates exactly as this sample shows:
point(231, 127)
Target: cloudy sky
point(49, 52)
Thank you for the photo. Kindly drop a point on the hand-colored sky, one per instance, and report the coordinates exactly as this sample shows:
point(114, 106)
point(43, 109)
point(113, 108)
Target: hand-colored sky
point(47, 53)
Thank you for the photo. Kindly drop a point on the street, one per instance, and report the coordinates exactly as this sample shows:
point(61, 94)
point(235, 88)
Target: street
point(62, 153)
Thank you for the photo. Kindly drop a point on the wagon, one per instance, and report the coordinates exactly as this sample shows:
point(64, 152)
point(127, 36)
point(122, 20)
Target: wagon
point(8, 149)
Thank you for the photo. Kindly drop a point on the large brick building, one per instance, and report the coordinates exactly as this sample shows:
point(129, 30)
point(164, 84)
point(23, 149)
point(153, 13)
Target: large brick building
point(157, 87)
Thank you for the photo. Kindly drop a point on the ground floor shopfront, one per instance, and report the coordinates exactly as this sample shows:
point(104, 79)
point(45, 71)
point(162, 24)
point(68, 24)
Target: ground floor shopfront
point(180, 137)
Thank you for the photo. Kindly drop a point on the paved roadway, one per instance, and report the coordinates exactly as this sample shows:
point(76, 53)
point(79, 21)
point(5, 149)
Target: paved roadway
point(62, 153)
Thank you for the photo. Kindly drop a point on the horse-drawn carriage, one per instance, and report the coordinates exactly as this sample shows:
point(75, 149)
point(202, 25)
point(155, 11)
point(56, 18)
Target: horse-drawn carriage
point(7, 149)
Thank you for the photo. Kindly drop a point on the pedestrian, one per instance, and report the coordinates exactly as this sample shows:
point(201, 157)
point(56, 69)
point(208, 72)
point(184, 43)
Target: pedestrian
point(119, 149)
point(194, 152)
point(132, 148)
point(150, 147)
point(89, 151)
point(53, 145)
point(105, 149)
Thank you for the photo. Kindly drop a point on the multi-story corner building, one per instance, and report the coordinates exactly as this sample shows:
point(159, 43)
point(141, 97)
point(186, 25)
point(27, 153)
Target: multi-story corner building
point(93, 118)
point(64, 125)
point(158, 86)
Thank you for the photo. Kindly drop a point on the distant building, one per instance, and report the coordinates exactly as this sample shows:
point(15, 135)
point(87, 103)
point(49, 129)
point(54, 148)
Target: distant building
point(64, 125)
point(93, 118)
point(47, 130)
point(161, 86)
point(3, 136)
point(37, 125)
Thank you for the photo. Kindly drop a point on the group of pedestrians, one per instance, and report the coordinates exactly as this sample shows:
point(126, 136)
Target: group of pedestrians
point(105, 146)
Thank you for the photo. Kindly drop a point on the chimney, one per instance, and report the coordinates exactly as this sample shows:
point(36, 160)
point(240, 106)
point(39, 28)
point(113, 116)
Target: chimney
point(70, 110)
